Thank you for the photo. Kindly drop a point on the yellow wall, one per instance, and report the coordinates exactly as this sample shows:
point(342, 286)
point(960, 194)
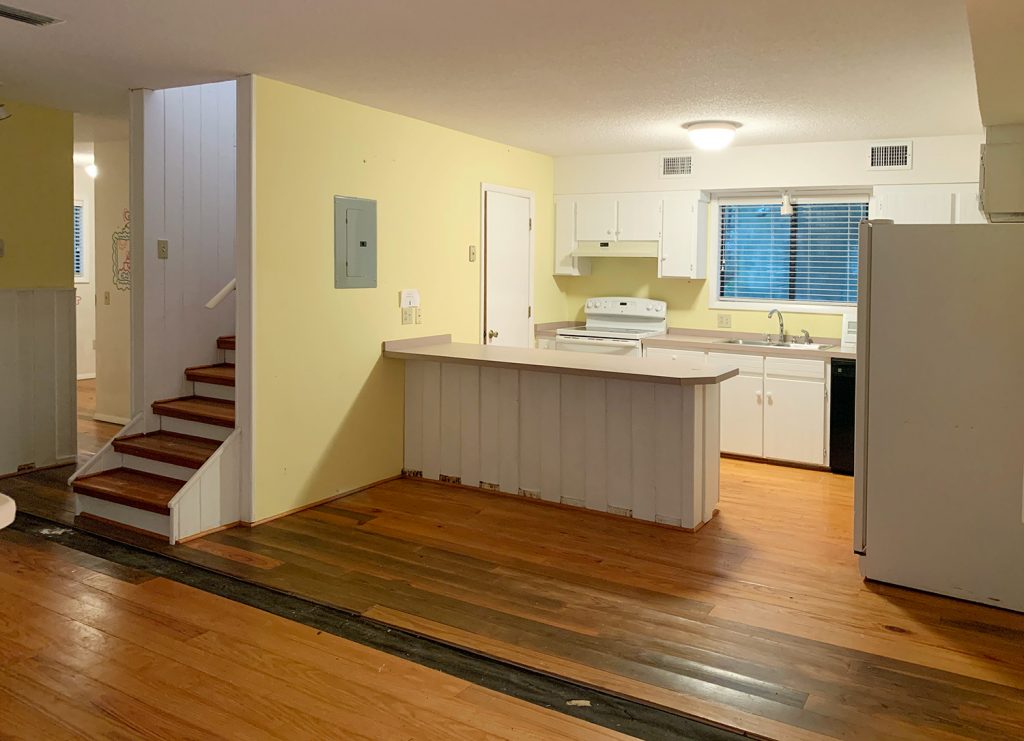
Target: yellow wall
point(36, 198)
point(687, 299)
point(328, 412)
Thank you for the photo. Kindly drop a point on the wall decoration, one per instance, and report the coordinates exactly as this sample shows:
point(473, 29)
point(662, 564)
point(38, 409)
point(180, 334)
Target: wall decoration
point(121, 250)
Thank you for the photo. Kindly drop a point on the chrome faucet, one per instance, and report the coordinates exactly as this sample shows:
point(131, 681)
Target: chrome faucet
point(807, 337)
point(782, 325)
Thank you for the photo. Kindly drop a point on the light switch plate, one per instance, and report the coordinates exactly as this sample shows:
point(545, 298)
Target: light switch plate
point(409, 315)
point(472, 253)
point(419, 315)
point(161, 249)
point(724, 321)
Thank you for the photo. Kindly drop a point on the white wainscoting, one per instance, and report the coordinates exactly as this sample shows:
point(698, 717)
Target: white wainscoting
point(643, 450)
point(37, 378)
point(210, 499)
point(188, 185)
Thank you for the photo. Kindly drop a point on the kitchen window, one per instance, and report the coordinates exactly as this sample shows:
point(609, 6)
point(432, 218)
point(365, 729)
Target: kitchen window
point(808, 258)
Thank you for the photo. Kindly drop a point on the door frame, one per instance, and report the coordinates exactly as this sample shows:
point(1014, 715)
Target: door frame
point(486, 188)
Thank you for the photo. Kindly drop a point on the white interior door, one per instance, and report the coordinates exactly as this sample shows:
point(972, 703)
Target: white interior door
point(507, 248)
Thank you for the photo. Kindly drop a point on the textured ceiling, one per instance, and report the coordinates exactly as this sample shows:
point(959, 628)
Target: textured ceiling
point(556, 76)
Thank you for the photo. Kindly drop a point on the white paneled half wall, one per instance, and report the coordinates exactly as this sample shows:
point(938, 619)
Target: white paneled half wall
point(37, 378)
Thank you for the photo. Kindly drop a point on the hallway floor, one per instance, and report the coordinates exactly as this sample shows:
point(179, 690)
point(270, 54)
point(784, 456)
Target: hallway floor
point(92, 434)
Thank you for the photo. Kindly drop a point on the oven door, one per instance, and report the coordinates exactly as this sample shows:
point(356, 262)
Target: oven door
point(603, 345)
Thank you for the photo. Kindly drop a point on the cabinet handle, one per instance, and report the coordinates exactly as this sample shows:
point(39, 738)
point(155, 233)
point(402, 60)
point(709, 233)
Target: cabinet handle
point(771, 399)
point(757, 394)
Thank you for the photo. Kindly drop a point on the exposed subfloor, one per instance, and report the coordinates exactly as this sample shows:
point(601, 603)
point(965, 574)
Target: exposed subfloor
point(759, 622)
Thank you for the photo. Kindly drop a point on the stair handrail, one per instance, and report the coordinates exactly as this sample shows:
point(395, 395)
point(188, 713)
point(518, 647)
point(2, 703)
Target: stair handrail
point(222, 294)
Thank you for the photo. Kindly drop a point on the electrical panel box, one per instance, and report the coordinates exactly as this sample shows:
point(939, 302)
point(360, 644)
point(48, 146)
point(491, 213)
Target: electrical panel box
point(355, 242)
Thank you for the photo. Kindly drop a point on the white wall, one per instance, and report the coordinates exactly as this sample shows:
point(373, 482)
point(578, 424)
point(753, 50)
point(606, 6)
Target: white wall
point(113, 290)
point(188, 180)
point(85, 288)
point(942, 159)
point(37, 367)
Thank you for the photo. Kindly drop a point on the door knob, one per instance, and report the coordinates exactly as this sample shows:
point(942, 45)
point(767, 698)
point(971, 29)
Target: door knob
point(491, 334)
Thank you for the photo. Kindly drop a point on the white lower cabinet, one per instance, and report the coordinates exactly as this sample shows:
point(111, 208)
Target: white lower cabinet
point(545, 343)
point(742, 404)
point(794, 410)
point(695, 356)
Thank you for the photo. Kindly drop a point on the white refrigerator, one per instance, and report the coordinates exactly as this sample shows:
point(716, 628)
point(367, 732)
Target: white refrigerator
point(939, 471)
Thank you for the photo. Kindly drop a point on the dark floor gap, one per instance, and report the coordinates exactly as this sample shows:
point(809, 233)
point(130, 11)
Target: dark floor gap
point(604, 709)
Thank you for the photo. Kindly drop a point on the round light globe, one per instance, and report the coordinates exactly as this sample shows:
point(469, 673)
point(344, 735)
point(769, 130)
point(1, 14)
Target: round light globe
point(711, 134)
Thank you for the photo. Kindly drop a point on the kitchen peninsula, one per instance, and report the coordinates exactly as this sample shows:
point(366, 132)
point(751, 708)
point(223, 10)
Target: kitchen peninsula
point(629, 436)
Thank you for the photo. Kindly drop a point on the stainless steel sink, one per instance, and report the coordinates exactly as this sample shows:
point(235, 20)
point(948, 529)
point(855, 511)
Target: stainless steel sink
point(782, 345)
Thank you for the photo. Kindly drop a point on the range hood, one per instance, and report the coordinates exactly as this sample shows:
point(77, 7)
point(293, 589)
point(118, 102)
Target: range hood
point(616, 249)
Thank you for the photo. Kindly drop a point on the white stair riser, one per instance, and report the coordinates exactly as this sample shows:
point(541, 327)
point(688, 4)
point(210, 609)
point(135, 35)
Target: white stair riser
point(214, 391)
point(229, 356)
point(139, 518)
point(159, 468)
point(196, 429)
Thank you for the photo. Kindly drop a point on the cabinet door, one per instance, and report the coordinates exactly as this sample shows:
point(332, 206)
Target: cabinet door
point(596, 218)
point(742, 404)
point(683, 250)
point(565, 240)
point(914, 204)
point(639, 217)
point(696, 357)
point(794, 412)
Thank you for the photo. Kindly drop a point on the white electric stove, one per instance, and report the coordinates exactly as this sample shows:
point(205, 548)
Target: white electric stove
point(616, 325)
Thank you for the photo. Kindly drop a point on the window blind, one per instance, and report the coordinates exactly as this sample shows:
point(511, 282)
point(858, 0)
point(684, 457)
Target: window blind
point(79, 258)
point(807, 257)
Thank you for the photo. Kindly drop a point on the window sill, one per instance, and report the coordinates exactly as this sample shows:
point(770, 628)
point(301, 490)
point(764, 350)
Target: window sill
point(718, 304)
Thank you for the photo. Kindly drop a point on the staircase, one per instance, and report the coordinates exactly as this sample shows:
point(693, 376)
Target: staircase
point(147, 475)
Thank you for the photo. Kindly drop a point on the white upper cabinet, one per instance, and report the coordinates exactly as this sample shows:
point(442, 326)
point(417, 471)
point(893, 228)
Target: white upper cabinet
point(955, 203)
point(639, 217)
point(597, 218)
point(565, 240)
point(683, 250)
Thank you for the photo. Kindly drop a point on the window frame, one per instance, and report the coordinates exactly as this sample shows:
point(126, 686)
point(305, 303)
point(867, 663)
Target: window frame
point(714, 234)
point(85, 276)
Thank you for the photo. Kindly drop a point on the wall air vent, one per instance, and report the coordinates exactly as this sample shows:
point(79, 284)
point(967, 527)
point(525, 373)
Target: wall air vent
point(891, 156)
point(26, 16)
point(675, 166)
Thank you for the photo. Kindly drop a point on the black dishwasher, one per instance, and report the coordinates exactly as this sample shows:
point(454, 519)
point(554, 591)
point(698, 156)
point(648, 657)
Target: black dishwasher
point(841, 415)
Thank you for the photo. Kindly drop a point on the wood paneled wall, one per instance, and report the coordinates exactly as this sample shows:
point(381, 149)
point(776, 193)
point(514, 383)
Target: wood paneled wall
point(189, 200)
point(642, 450)
point(37, 378)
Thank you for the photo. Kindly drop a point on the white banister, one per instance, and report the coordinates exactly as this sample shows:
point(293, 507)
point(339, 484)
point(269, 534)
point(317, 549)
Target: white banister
point(222, 294)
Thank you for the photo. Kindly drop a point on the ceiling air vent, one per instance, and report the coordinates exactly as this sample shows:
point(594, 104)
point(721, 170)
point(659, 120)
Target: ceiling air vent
point(676, 166)
point(891, 156)
point(26, 16)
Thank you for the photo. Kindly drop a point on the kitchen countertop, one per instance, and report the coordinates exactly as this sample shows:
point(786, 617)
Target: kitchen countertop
point(710, 340)
point(440, 348)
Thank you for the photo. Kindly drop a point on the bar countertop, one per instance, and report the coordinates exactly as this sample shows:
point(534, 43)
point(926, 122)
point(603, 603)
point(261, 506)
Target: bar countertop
point(440, 348)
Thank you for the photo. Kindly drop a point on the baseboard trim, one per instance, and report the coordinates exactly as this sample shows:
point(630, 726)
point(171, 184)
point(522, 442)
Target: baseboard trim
point(85, 376)
point(776, 462)
point(36, 469)
point(211, 531)
point(318, 502)
point(112, 419)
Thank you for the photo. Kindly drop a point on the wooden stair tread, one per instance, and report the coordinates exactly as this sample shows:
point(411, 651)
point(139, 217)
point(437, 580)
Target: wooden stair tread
point(198, 409)
point(131, 488)
point(222, 374)
point(168, 447)
point(226, 343)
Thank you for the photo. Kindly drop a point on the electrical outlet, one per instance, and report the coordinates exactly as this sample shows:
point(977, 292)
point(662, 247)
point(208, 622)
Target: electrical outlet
point(161, 249)
point(409, 315)
point(419, 315)
point(724, 321)
point(472, 253)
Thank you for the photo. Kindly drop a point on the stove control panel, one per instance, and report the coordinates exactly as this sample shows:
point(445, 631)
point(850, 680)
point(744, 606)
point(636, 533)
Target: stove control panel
point(626, 307)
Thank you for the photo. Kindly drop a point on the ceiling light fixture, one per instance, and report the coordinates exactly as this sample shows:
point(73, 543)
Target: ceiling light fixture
point(711, 134)
point(92, 171)
point(4, 113)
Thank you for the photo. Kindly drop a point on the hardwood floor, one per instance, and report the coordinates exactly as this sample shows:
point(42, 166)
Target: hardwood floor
point(760, 621)
point(87, 650)
point(92, 434)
